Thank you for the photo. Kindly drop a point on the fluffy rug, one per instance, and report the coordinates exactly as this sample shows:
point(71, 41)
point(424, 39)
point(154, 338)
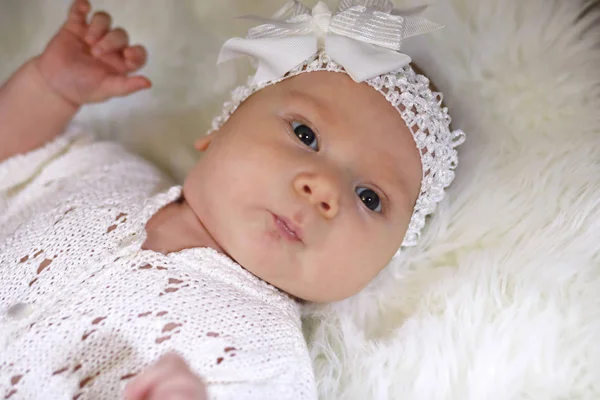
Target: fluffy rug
point(502, 298)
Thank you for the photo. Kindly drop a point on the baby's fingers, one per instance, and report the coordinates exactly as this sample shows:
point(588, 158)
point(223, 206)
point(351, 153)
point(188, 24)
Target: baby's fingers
point(143, 384)
point(99, 26)
point(77, 17)
point(135, 57)
point(114, 40)
point(182, 386)
point(127, 61)
point(119, 85)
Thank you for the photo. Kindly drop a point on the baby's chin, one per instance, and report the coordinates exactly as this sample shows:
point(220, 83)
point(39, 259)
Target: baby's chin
point(295, 290)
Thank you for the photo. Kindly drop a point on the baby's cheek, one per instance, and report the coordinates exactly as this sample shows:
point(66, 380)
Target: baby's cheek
point(370, 251)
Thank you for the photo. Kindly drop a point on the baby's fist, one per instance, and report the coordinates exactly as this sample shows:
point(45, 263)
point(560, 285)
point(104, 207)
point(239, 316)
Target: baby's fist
point(169, 379)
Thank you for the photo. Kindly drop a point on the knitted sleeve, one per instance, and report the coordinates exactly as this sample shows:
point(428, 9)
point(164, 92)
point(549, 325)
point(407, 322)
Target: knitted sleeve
point(73, 163)
point(18, 170)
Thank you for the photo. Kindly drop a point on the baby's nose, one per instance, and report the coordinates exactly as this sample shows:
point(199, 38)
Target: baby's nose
point(319, 191)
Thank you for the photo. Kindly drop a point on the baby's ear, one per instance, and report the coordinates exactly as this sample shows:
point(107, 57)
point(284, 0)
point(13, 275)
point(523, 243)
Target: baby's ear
point(201, 144)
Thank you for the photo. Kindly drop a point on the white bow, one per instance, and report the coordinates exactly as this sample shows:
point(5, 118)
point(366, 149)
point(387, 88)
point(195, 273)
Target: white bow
point(364, 36)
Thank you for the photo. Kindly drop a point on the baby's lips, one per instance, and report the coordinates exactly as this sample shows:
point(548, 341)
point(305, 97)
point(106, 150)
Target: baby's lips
point(289, 227)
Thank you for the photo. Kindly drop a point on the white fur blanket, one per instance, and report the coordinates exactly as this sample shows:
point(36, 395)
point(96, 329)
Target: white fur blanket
point(502, 298)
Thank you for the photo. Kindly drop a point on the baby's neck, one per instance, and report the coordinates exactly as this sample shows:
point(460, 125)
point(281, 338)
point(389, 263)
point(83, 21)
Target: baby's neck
point(176, 227)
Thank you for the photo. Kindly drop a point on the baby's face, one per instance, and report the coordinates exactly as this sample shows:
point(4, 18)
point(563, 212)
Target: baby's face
point(310, 185)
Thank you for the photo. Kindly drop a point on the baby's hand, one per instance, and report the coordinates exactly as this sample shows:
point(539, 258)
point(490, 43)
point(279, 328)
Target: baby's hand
point(88, 62)
point(169, 378)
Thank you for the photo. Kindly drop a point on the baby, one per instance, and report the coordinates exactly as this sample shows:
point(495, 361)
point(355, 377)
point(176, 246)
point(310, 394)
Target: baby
point(320, 168)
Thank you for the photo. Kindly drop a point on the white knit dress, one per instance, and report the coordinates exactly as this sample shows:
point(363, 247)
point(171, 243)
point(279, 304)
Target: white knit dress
point(83, 309)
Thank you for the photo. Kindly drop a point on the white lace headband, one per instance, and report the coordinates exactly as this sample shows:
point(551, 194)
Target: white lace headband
point(362, 39)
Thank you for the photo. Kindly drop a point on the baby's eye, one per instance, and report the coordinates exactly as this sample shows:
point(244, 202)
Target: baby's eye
point(306, 135)
point(369, 198)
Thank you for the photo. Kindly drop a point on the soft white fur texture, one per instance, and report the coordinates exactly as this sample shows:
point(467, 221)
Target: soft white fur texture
point(502, 298)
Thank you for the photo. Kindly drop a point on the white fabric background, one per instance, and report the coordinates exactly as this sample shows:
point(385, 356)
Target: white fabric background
point(502, 298)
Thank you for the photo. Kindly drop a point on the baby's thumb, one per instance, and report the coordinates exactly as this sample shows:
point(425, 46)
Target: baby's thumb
point(116, 86)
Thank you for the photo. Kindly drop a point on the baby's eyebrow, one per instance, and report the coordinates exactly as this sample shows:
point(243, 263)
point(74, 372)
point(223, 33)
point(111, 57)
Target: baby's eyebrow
point(316, 108)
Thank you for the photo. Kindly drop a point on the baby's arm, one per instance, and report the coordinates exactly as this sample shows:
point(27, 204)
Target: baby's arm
point(30, 113)
point(41, 98)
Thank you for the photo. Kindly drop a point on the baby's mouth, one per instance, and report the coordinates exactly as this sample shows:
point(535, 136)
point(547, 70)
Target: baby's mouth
point(287, 229)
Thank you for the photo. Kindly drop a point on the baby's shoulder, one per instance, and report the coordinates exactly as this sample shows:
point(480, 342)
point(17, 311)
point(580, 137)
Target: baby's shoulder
point(83, 174)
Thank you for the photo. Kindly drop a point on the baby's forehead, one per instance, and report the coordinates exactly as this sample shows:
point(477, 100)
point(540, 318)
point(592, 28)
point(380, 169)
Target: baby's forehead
point(335, 96)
